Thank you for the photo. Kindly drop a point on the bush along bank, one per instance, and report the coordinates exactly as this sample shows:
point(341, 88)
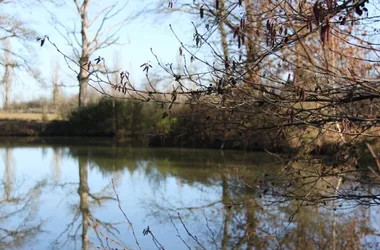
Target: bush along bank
point(181, 126)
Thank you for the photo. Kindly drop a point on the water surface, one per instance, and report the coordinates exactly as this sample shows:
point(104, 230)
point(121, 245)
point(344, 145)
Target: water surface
point(62, 196)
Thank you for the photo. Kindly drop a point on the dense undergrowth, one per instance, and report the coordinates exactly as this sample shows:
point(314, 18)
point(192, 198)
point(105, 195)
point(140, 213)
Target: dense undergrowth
point(185, 126)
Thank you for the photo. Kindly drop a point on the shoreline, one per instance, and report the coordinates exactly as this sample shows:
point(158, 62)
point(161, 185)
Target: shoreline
point(59, 129)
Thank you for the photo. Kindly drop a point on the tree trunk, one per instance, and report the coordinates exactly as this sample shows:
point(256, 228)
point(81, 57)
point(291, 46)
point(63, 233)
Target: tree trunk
point(9, 173)
point(84, 204)
point(84, 58)
point(7, 79)
point(55, 84)
point(6, 82)
point(228, 214)
point(223, 34)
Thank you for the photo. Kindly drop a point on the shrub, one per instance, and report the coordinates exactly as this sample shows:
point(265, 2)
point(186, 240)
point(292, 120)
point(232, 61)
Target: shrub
point(119, 118)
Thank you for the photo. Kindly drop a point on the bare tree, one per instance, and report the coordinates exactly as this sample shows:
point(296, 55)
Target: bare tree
point(13, 30)
point(99, 29)
point(9, 66)
point(56, 83)
point(85, 55)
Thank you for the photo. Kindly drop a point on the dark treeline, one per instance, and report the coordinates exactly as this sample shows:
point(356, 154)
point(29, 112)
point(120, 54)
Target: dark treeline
point(192, 126)
point(153, 124)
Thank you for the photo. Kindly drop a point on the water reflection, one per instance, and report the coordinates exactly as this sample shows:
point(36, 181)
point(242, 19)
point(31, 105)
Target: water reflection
point(188, 198)
point(56, 167)
point(83, 220)
point(18, 225)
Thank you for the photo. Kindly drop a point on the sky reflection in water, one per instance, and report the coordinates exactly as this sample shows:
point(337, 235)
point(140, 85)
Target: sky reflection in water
point(48, 186)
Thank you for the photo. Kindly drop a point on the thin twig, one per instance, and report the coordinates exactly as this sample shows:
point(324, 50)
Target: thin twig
point(209, 229)
point(178, 234)
point(125, 216)
point(375, 157)
point(187, 231)
point(155, 241)
point(109, 238)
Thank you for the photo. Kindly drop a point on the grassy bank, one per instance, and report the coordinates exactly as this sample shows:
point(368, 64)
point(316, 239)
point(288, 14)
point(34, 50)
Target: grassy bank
point(28, 116)
point(25, 124)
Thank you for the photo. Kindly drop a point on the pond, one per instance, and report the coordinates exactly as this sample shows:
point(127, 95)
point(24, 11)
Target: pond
point(66, 195)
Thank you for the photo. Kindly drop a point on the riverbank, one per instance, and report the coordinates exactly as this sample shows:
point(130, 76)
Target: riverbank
point(63, 128)
point(17, 127)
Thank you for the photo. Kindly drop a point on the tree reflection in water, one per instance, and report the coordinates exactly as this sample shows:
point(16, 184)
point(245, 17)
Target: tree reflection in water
point(18, 207)
point(229, 200)
point(245, 221)
point(250, 212)
point(84, 221)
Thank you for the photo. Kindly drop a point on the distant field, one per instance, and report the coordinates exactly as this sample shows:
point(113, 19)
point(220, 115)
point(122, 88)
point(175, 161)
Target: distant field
point(29, 116)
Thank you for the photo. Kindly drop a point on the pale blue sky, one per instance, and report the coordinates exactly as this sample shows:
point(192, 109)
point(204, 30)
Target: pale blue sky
point(147, 31)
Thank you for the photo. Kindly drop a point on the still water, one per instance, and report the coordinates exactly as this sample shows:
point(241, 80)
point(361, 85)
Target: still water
point(57, 195)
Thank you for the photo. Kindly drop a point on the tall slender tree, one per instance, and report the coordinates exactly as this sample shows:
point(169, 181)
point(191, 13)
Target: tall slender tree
point(55, 82)
point(9, 66)
point(16, 56)
point(99, 29)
